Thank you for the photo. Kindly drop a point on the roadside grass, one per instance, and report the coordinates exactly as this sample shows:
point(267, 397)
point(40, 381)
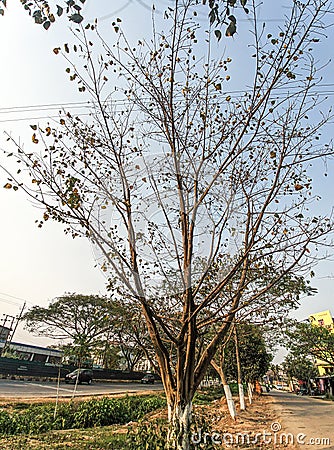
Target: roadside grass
point(144, 429)
point(99, 438)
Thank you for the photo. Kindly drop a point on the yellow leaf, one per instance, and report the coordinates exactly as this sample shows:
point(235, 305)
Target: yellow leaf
point(34, 139)
point(62, 122)
point(48, 131)
point(7, 186)
point(298, 187)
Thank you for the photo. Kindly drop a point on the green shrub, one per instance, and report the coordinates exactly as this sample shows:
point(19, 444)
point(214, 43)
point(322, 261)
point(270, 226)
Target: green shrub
point(153, 435)
point(107, 411)
point(148, 436)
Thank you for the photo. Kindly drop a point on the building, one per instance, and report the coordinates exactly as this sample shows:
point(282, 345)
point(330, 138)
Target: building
point(27, 352)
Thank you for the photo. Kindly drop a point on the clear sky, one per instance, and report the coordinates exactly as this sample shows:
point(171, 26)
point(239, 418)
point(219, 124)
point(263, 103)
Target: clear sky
point(37, 265)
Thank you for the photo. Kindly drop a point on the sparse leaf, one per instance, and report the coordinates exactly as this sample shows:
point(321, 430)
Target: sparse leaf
point(218, 34)
point(76, 18)
point(231, 30)
point(60, 10)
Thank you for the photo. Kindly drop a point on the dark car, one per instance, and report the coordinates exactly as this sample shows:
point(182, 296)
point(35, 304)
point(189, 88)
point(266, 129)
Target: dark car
point(83, 375)
point(148, 379)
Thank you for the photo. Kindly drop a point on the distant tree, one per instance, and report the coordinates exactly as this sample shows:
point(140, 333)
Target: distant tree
point(255, 358)
point(299, 367)
point(306, 339)
point(129, 335)
point(82, 320)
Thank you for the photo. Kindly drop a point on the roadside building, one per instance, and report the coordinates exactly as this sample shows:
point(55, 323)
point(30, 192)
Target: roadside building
point(27, 352)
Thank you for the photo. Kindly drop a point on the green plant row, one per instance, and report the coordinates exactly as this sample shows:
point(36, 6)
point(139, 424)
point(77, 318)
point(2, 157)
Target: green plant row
point(94, 413)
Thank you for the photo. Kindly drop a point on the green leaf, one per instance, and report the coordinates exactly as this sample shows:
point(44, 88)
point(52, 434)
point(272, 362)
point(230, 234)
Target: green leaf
point(231, 30)
point(76, 18)
point(243, 2)
point(47, 24)
point(60, 10)
point(218, 34)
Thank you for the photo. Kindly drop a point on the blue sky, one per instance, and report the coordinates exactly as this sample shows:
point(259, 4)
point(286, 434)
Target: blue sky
point(37, 265)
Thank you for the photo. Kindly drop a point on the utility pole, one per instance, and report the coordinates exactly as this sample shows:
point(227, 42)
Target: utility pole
point(13, 323)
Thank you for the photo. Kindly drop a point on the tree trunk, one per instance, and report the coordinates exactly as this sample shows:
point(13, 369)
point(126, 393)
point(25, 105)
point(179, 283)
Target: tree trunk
point(179, 417)
point(250, 393)
point(227, 390)
point(240, 386)
point(242, 397)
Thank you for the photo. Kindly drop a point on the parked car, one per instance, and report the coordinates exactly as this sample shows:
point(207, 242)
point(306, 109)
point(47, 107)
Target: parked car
point(148, 379)
point(83, 375)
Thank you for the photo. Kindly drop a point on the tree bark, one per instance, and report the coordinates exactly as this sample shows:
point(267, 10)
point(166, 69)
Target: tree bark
point(240, 385)
point(179, 417)
point(250, 393)
point(227, 390)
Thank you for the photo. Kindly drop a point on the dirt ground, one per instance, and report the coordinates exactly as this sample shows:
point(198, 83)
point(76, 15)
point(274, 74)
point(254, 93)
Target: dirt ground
point(258, 427)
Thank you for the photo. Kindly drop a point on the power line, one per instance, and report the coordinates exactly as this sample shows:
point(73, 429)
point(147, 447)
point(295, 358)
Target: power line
point(89, 104)
point(119, 101)
point(4, 300)
point(9, 302)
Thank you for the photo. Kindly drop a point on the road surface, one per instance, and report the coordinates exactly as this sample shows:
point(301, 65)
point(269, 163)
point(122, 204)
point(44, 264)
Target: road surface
point(310, 420)
point(43, 389)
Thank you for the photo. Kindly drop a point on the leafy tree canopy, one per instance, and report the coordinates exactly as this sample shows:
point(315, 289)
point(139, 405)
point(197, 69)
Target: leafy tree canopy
point(297, 366)
point(71, 316)
point(255, 358)
point(306, 339)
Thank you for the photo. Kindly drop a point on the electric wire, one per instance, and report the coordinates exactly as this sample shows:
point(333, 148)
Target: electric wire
point(70, 106)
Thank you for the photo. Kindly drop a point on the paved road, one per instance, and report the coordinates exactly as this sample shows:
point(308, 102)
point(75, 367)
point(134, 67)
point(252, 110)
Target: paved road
point(39, 389)
point(310, 418)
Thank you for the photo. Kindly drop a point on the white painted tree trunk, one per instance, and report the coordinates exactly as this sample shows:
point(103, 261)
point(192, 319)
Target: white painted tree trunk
point(250, 393)
point(241, 397)
point(230, 401)
point(179, 418)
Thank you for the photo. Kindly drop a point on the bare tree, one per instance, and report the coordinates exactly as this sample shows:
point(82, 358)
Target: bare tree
point(170, 168)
